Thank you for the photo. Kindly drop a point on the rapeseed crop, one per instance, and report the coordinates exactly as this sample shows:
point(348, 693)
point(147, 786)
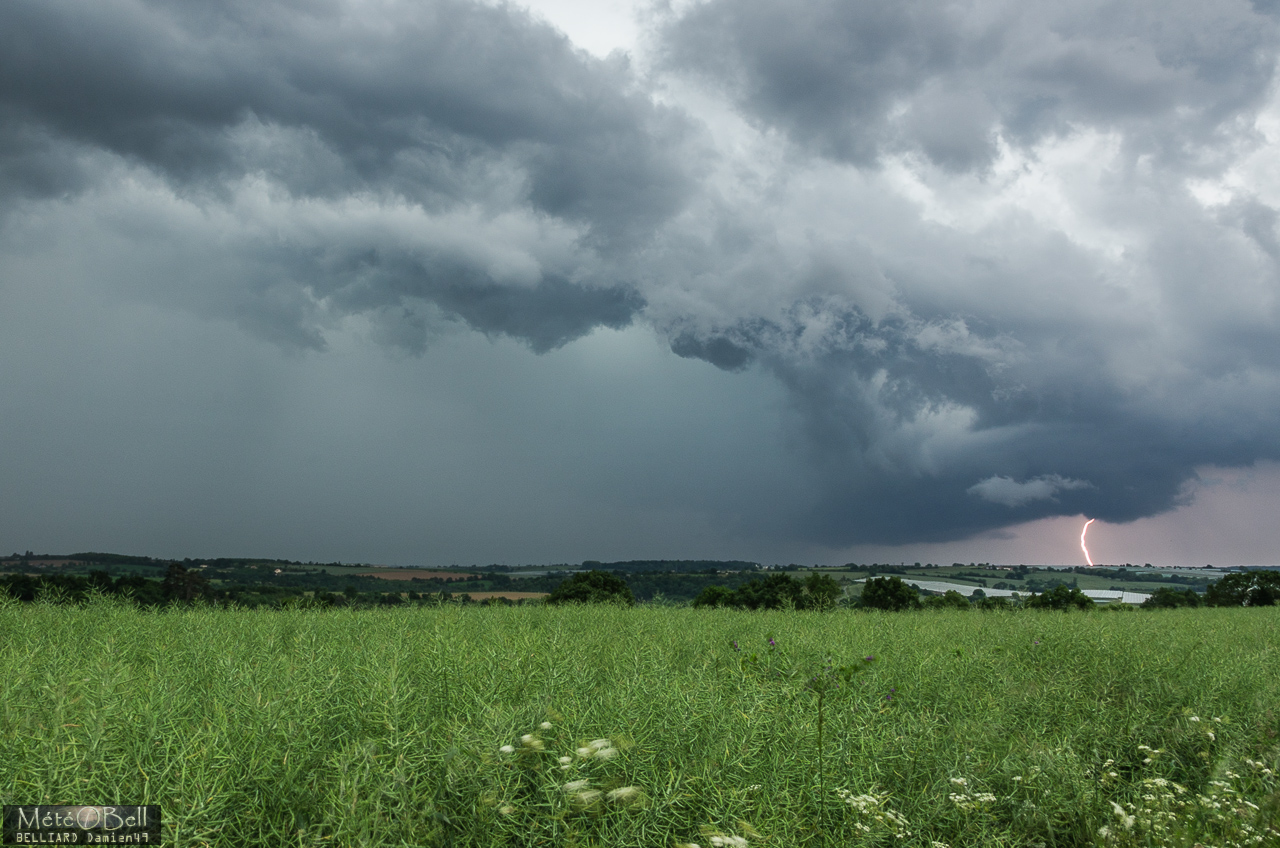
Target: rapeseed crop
point(647, 727)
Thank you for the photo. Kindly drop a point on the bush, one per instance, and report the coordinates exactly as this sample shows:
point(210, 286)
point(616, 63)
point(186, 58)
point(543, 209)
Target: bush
point(1169, 598)
point(714, 596)
point(950, 600)
point(889, 593)
point(1000, 602)
point(821, 591)
point(1060, 597)
point(593, 587)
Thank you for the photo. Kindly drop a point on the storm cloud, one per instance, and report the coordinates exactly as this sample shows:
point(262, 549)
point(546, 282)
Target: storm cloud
point(1005, 260)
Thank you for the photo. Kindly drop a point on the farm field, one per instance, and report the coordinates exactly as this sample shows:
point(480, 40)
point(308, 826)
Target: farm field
point(544, 726)
point(1134, 580)
point(420, 573)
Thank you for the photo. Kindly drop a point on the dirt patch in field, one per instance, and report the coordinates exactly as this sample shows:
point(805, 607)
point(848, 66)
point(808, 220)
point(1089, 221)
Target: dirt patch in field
point(410, 573)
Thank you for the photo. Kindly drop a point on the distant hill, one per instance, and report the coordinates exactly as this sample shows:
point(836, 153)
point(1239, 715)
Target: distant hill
point(680, 566)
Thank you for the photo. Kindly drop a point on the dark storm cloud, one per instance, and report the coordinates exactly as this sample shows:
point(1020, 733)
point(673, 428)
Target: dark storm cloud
point(436, 104)
point(1083, 351)
point(1009, 260)
point(854, 80)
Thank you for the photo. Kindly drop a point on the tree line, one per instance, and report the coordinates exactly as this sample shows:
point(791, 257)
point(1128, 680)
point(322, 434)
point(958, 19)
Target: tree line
point(778, 590)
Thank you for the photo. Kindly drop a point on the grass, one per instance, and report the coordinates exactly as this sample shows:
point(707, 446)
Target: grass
point(387, 727)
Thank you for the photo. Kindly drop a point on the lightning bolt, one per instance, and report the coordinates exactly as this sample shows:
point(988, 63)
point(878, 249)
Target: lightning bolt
point(1082, 545)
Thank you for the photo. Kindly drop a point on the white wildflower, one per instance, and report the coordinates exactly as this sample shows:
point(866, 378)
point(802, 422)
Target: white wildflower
point(626, 795)
point(564, 761)
point(506, 809)
point(597, 744)
point(546, 725)
point(507, 749)
point(575, 785)
point(586, 798)
point(606, 753)
point(585, 753)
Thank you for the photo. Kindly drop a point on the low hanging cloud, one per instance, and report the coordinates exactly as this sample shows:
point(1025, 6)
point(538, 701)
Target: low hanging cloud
point(987, 241)
point(1011, 493)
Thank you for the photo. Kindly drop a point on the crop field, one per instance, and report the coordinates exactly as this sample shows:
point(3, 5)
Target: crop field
point(649, 727)
point(420, 573)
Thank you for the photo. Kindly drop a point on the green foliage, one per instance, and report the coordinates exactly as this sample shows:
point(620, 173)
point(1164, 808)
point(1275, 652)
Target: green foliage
point(1060, 597)
point(184, 584)
point(998, 602)
point(1166, 597)
point(386, 727)
point(714, 596)
point(1257, 588)
point(777, 591)
point(821, 591)
point(889, 594)
point(951, 599)
point(592, 587)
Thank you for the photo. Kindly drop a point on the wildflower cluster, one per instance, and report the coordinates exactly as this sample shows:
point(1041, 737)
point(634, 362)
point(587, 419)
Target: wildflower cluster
point(872, 815)
point(1166, 813)
point(966, 799)
point(717, 839)
point(1206, 727)
point(579, 795)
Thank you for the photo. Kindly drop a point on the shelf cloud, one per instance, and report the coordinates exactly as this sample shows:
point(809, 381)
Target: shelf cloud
point(1026, 244)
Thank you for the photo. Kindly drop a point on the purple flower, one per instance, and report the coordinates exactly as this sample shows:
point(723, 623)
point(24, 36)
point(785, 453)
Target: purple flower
point(735, 645)
point(869, 659)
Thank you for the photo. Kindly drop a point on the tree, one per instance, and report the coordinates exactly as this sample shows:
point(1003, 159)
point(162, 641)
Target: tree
point(1258, 588)
point(773, 592)
point(183, 584)
point(821, 591)
point(889, 593)
point(714, 596)
point(1060, 597)
point(1166, 597)
point(593, 587)
point(999, 602)
point(951, 599)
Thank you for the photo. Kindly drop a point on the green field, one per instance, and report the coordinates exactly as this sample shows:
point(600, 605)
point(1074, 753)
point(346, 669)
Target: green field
point(386, 727)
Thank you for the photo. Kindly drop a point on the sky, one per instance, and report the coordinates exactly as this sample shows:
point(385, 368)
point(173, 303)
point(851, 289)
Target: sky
point(446, 281)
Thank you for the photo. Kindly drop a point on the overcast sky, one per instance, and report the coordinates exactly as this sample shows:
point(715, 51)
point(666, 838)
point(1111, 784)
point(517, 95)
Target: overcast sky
point(457, 282)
